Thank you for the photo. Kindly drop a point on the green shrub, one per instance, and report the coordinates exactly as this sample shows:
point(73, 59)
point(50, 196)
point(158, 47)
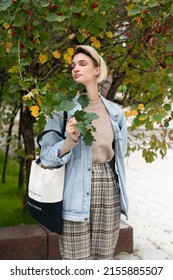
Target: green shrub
point(11, 198)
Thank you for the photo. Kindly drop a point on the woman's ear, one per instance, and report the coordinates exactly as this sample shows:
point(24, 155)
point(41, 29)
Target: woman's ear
point(97, 71)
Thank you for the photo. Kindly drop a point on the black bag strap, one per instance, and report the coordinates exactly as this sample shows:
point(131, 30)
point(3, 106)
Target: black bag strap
point(50, 130)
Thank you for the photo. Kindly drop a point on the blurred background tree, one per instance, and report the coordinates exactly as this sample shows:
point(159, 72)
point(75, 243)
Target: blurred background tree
point(37, 41)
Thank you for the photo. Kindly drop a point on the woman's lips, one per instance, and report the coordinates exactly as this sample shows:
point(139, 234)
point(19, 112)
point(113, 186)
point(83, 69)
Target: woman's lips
point(77, 76)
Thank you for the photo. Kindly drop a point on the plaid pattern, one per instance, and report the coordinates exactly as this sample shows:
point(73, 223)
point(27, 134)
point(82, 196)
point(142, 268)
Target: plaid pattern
point(96, 239)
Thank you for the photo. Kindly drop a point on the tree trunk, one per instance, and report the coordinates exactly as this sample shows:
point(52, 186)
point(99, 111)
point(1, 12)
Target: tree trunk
point(14, 113)
point(26, 128)
point(117, 80)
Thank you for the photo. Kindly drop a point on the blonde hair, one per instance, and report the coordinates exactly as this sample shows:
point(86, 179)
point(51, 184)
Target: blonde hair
point(97, 59)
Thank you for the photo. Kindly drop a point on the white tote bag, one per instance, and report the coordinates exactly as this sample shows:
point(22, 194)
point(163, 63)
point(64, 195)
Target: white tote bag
point(45, 191)
point(46, 185)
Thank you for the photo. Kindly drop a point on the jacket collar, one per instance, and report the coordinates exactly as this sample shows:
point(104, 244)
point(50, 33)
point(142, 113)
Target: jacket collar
point(112, 108)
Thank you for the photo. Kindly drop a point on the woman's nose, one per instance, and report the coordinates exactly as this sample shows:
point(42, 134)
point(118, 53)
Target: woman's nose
point(76, 69)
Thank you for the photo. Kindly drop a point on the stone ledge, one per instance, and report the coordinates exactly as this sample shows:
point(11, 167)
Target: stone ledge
point(125, 240)
point(34, 242)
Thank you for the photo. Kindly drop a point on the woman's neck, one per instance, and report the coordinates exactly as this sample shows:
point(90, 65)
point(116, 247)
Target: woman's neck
point(92, 92)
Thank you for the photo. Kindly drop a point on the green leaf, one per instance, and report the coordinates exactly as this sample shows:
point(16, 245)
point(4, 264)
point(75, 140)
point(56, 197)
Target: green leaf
point(86, 133)
point(137, 1)
point(149, 125)
point(64, 106)
point(5, 5)
point(143, 117)
point(13, 88)
point(138, 122)
point(169, 47)
point(153, 87)
point(169, 60)
point(45, 3)
point(84, 116)
point(54, 17)
point(153, 13)
point(148, 155)
point(152, 4)
point(157, 118)
point(166, 124)
point(85, 125)
point(167, 107)
point(80, 38)
point(88, 138)
point(26, 61)
point(83, 100)
point(134, 11)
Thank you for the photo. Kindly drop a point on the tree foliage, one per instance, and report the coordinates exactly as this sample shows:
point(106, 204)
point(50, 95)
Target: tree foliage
point(37, 41)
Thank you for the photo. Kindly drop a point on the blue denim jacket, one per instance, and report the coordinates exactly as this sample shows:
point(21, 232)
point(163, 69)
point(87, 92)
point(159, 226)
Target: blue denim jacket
point(77, 188)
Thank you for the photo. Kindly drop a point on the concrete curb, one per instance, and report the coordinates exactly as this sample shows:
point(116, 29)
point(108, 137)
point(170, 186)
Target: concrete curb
point(34, 242)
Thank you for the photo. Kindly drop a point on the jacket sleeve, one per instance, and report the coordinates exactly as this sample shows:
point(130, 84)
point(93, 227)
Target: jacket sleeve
point(52, 144)
point(123, 130)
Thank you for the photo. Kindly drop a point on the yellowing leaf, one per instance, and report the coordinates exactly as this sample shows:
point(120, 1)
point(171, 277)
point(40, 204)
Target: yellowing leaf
point(57, 54)
point(96, 10)
point(97, 44)
point(71, 36)
point(93, 39)
point(34, 110)
point(140, 106)
point(143, 117)
point(8, 46)
point(14, 69)
point(70, 51)
point(67, 58)
point(109, 34)
point(43, 58)
point(37, 41)
point(130, 6)
point(103, 13)
point(139, 20)
point(28, 96)
point(34, 91)
point(48, 85)
point(133, 112)
point(127, 114)
point(6, 25)
point(39, 101)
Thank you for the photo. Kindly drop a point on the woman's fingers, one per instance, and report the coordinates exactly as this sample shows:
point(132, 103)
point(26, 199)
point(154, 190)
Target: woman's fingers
point(72, 130)
point(71, 122)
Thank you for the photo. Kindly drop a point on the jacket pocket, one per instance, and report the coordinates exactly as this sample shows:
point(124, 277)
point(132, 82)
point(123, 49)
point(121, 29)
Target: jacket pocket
point(119, 144)
point(77, 151)
point(73, 189)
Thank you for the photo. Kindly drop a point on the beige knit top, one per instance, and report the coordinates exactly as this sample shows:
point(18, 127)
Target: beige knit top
point(102, 150)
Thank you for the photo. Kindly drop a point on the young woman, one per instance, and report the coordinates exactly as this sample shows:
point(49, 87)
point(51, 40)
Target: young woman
point(95, 191)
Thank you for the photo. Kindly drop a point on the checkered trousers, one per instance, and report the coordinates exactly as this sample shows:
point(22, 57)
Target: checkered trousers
point(97, 239)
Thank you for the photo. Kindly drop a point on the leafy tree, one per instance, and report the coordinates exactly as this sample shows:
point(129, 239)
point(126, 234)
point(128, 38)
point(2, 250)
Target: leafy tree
point(134, 36)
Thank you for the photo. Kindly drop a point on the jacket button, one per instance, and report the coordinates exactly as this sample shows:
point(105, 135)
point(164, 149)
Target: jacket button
point(87, 193)
point(86, 219)
point(89, 169)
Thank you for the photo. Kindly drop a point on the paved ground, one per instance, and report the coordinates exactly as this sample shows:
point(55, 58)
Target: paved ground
point(150, 190)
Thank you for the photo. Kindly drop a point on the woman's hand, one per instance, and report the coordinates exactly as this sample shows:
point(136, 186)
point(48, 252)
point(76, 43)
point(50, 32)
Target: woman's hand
point(71, 129)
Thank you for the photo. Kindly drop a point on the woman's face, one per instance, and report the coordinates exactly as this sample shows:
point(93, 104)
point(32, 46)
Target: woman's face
point(83, 69)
